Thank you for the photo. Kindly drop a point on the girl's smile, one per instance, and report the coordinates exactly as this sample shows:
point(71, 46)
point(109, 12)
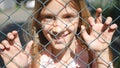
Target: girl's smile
point(60, 37)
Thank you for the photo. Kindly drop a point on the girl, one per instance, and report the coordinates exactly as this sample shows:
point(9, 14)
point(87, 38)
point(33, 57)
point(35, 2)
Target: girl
point(63, 35)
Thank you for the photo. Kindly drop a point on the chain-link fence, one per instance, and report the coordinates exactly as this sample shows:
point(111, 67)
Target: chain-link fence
point(56, 24)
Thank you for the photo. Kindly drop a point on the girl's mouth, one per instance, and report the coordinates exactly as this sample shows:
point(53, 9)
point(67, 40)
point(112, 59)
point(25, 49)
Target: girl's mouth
point(60, 37)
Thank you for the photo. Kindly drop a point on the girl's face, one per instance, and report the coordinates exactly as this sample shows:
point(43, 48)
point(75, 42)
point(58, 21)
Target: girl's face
point(60, 23)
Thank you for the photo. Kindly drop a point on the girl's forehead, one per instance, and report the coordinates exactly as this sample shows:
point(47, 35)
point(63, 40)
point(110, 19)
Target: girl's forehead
point(57, 6)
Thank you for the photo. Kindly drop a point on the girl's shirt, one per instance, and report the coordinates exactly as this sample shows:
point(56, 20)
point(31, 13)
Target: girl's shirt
point(47, 62)
point(79, 61)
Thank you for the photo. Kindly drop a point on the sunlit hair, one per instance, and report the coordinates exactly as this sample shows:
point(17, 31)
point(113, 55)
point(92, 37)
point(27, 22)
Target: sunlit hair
point(35, 28)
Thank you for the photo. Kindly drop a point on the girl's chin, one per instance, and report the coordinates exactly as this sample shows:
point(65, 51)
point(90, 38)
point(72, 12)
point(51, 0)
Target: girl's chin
point(59, 46)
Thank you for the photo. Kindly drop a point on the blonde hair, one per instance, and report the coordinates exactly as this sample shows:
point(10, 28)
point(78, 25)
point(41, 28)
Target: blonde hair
point(39, 39)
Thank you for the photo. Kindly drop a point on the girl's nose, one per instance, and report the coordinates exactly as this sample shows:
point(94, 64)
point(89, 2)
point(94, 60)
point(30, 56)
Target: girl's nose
point(57, 27)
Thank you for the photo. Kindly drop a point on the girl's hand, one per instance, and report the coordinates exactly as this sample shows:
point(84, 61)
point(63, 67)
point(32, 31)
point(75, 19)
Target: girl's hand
point(101, 34)
point(12, 52)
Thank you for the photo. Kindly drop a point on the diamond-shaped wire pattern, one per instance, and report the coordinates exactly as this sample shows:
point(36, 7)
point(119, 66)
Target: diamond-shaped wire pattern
point(29, 31)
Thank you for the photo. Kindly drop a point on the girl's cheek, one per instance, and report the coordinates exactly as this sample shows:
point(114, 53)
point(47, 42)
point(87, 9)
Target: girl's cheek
point(73, 25)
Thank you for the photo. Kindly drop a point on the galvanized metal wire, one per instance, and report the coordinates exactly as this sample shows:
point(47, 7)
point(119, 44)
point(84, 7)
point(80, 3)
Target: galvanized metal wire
point(15, 18)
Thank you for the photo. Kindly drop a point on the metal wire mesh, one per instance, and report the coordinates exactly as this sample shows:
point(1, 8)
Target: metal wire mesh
point(14, 18)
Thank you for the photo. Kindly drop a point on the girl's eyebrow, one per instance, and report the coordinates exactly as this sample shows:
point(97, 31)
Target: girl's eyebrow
point(47, 14)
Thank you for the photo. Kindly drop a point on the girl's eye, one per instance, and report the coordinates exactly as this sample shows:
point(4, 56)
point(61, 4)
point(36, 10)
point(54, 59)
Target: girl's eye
point(49, 17)
point(68, 16)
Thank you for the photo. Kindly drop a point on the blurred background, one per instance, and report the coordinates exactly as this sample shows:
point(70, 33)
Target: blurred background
point(14, 13)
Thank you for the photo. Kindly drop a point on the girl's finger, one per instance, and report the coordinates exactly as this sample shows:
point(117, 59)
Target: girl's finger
point(6, 44)
point(15, 33)
point(84, 32)
point(112, 27)
point(16, 40)
point(2, 47)
point(16, 37)
point(13, 39)
point(10, 36)
point(107, 23)
point(99, 15)
point(28, 47)
point(91, 20)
